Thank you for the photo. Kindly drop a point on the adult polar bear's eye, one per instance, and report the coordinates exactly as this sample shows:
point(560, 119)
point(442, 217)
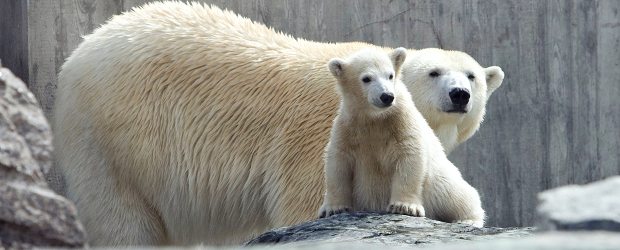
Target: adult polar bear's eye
point(434, 73)
point(366, 79)
point(391, 76)
point(471, 76)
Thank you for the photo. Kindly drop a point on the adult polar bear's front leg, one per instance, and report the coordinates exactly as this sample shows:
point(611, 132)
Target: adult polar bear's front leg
point(447, 197)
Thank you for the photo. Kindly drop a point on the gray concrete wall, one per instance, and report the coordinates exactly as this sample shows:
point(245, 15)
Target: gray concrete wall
point(14, 37)
point(554, 121)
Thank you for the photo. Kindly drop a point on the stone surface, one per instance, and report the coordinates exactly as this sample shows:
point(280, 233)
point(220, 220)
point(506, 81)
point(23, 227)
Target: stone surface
point(547, 241)
point(30, 213)
point(384, 228)
point(583, 240)
point(595, 206)
point(596, 240)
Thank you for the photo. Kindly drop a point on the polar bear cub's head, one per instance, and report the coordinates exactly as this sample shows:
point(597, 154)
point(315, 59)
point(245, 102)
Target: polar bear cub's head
point(368, 76)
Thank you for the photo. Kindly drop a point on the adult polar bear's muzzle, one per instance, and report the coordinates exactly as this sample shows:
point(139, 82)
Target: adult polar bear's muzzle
point(456, 89)
point(460, 99)
point(459, 96)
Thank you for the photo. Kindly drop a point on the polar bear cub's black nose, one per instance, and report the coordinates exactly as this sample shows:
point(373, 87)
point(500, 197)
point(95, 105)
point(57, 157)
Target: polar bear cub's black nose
point(387, 98)
point(459, 96)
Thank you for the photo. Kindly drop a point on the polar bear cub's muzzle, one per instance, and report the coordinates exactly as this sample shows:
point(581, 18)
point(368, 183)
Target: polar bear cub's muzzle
point(380, 92)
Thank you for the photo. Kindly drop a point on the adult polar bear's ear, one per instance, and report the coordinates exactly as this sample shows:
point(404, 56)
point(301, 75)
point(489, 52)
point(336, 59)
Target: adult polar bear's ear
point(495, 76)
point(398, 58)
point(336, 66)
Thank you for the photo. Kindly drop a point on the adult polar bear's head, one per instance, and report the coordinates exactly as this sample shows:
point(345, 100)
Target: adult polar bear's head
point(450, 89)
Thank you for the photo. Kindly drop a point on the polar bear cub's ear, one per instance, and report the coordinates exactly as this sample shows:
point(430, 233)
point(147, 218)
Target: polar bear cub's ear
point(495, 77)
point(398, 58)
point(336, 66)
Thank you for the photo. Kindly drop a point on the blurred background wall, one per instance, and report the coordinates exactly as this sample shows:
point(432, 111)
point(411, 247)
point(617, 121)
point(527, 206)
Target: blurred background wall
point(554, 121)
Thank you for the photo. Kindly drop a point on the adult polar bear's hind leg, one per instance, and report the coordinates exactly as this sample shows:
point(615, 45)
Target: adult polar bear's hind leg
point(92, 185)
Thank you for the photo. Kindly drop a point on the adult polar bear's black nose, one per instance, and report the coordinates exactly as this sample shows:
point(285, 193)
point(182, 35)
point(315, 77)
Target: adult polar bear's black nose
point(459, 96)
point(387, 98)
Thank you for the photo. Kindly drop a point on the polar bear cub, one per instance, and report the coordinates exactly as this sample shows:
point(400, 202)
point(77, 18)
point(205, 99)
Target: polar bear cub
point(382, 155)
point(375, 156)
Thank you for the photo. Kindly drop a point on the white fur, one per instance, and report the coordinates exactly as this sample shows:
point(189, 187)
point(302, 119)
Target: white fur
point(431, 94)
point(391, 161)
point(182, 124)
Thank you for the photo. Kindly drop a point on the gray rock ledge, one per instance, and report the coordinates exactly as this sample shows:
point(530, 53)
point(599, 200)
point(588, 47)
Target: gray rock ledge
point(384, 228)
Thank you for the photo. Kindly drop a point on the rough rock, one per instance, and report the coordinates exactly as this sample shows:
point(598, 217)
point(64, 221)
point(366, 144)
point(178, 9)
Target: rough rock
point(599, 240)
point(30, 213)
point(596, 240)
point(595, 206)
point(384, 228)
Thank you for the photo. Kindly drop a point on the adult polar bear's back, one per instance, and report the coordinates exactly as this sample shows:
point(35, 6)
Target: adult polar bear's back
point(182, 124)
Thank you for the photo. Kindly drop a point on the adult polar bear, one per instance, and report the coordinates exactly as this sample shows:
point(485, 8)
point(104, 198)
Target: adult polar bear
point(184, 124)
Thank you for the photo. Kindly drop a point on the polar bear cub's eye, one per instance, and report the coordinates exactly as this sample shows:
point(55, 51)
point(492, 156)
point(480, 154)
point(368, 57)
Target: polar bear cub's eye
point(471, 76)
point(391, 76)
point(434, 73)
point(366, 79)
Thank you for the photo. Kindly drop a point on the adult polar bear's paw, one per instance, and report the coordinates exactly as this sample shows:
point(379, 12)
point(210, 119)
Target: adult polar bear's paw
point(406, 208)
point(329, 210)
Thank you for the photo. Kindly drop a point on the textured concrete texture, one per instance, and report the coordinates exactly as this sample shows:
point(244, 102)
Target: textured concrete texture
point(31, 214)
point(595, 206)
